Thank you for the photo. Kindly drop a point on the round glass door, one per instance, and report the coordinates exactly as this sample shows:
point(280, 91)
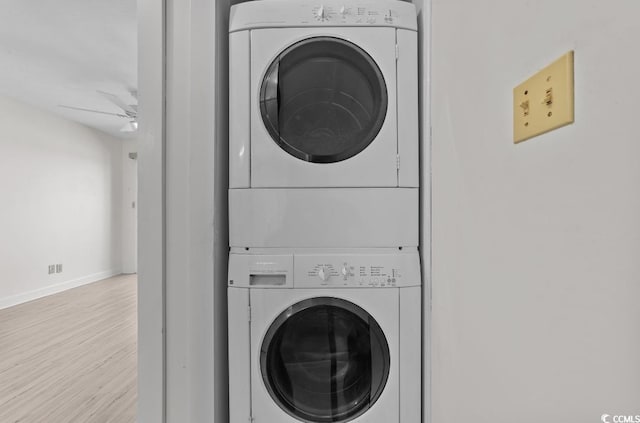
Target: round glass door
point(325, 360)
point(323, 100)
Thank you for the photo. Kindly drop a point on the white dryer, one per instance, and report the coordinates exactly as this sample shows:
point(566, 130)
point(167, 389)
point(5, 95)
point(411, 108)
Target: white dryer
point(325, 336)
point(323, 94)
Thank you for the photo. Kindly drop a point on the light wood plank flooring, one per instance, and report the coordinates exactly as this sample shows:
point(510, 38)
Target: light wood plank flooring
point(71, 357)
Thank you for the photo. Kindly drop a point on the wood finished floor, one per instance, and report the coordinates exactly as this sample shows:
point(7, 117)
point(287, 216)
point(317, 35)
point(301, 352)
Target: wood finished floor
point(71, 357)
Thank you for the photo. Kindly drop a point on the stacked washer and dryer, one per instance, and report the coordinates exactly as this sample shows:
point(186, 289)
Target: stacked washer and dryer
point(324, 273)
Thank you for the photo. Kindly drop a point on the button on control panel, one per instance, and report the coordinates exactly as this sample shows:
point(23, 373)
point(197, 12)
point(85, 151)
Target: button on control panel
point(354, 271)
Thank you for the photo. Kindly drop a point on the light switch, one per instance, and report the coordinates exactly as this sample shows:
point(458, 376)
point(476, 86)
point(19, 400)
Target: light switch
point(544, 101)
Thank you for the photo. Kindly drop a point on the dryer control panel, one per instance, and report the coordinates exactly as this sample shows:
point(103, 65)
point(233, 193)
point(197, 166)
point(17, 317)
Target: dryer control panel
point(277, 14)
point(331, 270)
point(354, 14)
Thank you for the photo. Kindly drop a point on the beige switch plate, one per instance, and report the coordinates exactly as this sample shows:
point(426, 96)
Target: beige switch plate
point(544, 101)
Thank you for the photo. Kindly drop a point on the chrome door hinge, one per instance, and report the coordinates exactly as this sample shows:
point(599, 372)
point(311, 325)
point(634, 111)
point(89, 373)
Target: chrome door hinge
point(249, 313)
point(398, 161)
point(397, 51)
point(251, 419)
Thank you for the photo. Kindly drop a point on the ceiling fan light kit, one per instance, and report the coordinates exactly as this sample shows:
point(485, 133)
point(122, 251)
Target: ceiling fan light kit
point(130, 127)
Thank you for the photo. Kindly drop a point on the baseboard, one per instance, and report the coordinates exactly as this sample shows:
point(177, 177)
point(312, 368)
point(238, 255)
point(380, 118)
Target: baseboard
point(54, 289)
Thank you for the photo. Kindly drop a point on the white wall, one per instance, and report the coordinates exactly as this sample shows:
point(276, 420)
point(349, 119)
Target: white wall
point(423, 7)
point(183, 238)
point(196, 231)
point(189, 227)
point(151, 212)
point(60, 196)
point(536, 277)
point(129, 207)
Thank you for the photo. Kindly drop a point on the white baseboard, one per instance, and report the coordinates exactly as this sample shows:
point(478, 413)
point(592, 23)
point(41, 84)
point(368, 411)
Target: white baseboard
point(54, 289)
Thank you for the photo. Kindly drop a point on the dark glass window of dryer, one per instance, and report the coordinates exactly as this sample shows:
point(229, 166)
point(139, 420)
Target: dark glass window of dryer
point(323, 100)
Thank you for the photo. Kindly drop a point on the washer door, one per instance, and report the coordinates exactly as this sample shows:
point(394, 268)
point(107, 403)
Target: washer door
point(325, 360)
point(323, 100)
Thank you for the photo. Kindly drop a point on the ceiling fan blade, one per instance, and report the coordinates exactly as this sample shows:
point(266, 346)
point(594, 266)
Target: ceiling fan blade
point(130, 111)
point(93, 111)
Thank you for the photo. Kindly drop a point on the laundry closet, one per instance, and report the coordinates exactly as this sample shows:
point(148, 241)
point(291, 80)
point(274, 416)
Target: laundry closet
point(324, 281)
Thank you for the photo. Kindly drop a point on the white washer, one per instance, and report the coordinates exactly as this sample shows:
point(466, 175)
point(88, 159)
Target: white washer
point(323, 94)
point(325, 336)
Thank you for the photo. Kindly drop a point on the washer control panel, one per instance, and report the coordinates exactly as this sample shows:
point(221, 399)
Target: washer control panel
point(279, 269)
point(356, 270)
point(271, 14)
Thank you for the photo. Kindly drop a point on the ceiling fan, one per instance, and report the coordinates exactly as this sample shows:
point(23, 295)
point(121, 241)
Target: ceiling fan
point(129, 111)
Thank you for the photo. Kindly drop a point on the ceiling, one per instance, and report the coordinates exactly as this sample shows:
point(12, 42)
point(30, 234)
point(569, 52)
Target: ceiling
point(61, 52)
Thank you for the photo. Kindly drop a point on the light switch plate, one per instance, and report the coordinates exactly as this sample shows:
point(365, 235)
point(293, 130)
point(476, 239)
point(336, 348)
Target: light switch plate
point(544, 101)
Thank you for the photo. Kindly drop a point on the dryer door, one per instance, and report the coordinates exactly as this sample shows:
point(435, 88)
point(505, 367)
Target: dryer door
point(325, 360)
point(323, 100)
point(323, 108)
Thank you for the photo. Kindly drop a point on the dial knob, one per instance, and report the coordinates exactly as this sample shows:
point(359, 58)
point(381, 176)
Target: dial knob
point(321, 12)
point(323, 273)
point(343, 10)
point(345, 271)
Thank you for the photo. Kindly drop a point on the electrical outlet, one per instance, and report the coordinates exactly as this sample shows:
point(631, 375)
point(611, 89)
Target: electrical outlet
point(58, 268)
point(52, 269)
point(545, 101)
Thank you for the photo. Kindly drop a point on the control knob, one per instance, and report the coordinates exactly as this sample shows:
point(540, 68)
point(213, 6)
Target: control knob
point(323, 273)
point(321, 12)
point(389, 16)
